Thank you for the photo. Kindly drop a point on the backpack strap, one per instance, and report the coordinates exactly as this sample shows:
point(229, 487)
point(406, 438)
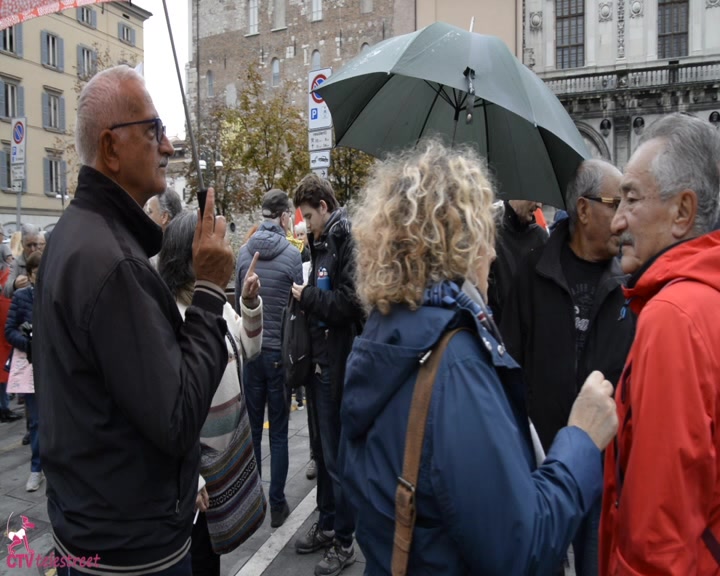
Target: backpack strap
point(712, 544)
point(405, 510)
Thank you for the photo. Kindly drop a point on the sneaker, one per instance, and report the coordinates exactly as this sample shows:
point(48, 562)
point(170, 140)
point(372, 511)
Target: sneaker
point(311, 470)
point(314, 540)
point(11, 416)
point(335, 560)
point(301, 406)
point(34, 481)
point(279, 515)
point(26, 439)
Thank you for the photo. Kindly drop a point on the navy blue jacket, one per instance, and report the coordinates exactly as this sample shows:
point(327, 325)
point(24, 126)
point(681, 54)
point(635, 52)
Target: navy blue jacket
point(21, 311)
point(278, 267)
point(482, 506)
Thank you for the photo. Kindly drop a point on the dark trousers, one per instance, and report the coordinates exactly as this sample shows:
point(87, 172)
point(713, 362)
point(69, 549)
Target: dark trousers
point(264, 381)
point(324, 412)
point(32, 411)
point(204, 561)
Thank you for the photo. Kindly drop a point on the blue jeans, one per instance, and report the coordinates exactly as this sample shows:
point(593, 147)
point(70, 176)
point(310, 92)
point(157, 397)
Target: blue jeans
point(182, 568)
point(585, 544)
point(32, 408)
point(264, 380)
point(324, 413)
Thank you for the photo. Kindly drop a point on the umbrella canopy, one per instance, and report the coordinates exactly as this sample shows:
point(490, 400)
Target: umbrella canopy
point(430, 81)
point(16, 11)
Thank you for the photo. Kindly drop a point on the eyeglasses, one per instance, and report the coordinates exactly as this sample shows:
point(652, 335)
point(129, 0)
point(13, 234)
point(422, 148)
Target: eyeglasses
point(159, 127)
point(614, 202)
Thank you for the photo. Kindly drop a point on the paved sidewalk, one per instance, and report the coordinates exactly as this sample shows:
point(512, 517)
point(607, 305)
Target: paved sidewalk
point(268, 552)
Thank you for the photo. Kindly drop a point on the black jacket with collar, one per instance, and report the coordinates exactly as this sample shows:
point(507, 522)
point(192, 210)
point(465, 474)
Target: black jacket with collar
point(538, 327)
point(338, 308)
point(123, 384)
point(515, 240)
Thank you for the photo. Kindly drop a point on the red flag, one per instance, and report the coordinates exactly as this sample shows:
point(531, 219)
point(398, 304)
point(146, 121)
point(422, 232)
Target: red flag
point(16, 11)
point(298, 216)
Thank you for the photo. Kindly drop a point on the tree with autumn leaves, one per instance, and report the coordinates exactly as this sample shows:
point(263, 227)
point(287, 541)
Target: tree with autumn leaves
point(261, 144)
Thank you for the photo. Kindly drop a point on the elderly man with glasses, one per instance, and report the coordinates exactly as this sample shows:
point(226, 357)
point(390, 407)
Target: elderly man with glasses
point(565, 316)
point(122, 473)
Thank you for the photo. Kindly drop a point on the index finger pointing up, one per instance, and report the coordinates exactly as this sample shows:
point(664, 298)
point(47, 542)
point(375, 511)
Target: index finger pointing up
point(251, 269)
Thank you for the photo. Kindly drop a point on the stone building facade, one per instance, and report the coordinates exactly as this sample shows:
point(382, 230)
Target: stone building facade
point(619, 65)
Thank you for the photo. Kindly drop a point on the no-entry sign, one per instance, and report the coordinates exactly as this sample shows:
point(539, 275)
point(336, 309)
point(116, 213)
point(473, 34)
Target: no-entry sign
point(318, 113)
point(17, 148)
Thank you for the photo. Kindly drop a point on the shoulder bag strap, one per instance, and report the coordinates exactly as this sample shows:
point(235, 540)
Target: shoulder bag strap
point(405, 510)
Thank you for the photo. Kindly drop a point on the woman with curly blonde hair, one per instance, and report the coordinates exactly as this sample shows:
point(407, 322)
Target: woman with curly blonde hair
point(424, 231)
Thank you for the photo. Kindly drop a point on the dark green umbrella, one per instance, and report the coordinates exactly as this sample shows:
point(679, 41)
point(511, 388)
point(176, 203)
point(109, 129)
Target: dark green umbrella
point(468, 88)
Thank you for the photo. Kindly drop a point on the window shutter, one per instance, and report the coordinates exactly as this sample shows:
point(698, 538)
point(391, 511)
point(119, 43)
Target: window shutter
point(120, 28)
point(4, 176)
point(19, 39)
point(61, 54)
point(21, 101)
point(46, 175)
point(44, 46)
point(94, 62)
point(62, 113)
point(63, 177)
point(78, 14)
point(80, 69)
point(93, 18)
point(132, 36)
point(45, 109)
point(2, 100)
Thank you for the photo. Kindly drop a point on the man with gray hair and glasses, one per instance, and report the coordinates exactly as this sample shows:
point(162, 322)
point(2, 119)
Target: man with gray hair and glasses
point(163, 207)
point(563, 317)
point(122, 474)
point(661, 505)
point(32, 240)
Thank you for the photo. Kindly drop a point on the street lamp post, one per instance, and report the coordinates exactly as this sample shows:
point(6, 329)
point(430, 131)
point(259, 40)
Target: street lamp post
point(62, 198)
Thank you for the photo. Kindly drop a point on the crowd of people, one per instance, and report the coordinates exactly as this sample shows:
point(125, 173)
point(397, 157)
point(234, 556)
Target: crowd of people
point(482, 394)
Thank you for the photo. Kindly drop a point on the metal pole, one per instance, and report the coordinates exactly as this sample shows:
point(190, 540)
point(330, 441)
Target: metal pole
point(19, 205)
point(193, 145)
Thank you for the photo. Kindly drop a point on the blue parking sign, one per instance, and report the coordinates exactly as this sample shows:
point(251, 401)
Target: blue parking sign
point(313, 114)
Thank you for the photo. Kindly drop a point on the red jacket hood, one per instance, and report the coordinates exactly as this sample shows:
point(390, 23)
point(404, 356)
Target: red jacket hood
point(697, 259)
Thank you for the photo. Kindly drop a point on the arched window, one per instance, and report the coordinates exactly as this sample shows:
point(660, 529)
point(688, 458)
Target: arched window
point(276, 72)
point(210, 84)
point(315, 63)
point(364, 48)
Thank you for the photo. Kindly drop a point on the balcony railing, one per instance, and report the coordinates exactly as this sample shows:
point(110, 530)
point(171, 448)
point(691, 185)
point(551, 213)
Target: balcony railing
point(673, 74)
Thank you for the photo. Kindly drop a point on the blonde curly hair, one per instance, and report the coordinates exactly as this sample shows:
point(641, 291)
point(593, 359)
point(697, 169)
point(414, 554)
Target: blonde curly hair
point(425, 216)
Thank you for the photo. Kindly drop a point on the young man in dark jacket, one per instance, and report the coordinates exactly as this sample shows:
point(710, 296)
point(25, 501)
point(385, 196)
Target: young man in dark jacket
point(123, 383)
point(335, 315)
point(280, 267)
point(565, 317)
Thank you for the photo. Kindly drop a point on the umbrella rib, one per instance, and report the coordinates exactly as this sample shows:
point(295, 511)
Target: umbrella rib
point(430, 109)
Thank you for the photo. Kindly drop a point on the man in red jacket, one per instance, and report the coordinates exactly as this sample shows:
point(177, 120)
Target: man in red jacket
point(661, 505)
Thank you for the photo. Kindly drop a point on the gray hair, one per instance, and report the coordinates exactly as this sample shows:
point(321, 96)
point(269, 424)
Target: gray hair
point(690, 160)
point(588, 181)
point(101, 104)
point(301, 227)
point(28, 230)
point(169, 201)
point(175, 259)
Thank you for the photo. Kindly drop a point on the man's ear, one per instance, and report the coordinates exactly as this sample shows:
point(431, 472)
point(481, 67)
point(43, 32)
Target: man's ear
point(323, 207)
point(582, 207)
point(685, 213)
point(107, 152)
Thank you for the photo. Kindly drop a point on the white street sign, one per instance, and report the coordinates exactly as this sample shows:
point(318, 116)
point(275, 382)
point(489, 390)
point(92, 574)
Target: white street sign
point(19, 137)
point(320, 159)
point(320, 139)
point(318, 112)
point(17, 172)
point(322, 172)
point(17, 185)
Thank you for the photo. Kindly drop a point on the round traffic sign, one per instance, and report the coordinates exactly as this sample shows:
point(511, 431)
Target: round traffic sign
point(317, 81)
point(18, 132)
